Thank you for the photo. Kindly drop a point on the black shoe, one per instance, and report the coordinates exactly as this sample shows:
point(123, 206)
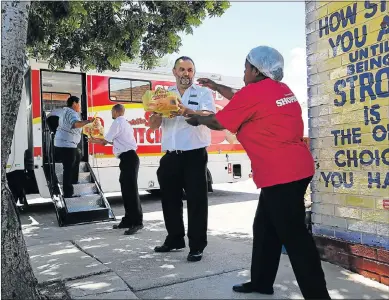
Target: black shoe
point(248, 288)
point(195, 255)
point(167, 248)
point(121, 225)
point(133, 229)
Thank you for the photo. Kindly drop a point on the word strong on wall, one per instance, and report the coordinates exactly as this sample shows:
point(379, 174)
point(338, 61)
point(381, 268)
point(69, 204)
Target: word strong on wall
point(348, 88)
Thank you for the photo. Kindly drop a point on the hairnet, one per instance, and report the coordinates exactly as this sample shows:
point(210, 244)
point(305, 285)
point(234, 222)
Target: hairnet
point(268, 61)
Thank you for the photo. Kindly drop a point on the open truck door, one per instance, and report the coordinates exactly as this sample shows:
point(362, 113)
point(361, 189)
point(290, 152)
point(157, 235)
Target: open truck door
point(90, 204)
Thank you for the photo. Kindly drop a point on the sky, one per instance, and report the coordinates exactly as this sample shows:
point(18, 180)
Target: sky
point(220, 45)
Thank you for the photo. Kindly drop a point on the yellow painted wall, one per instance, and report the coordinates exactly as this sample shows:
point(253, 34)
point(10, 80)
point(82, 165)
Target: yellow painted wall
point(348, 88)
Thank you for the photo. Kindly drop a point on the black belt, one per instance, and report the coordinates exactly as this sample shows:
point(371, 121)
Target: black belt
point(175, 151)
point(120, 155)
point(183, 151)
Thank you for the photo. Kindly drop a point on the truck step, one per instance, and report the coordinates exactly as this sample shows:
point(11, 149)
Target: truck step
point(83, 177)
point(59, 168)
point(84, 189)
point(84, 203)
point(87, 205)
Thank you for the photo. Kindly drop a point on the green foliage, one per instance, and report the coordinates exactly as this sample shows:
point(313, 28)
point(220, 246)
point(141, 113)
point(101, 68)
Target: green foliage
point(101, 35)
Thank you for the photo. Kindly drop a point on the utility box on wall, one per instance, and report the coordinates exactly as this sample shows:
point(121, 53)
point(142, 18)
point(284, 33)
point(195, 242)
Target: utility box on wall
point(348, 90)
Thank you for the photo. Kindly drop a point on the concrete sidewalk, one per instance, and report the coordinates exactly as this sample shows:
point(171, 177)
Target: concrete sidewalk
point(105, 264)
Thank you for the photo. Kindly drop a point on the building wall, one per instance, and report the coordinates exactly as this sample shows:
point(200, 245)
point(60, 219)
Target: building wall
point(348, 89)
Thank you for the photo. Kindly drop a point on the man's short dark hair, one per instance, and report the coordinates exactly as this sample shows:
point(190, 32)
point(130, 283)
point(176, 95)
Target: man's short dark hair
point(184, 58)
point(71, 100)
point(119, 108)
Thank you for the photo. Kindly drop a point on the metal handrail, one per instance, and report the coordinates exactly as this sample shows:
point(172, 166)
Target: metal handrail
point(54, 186)
point(107, 205)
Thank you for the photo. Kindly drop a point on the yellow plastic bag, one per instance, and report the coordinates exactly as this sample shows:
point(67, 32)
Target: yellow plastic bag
point(161, 101)
point(94, 129)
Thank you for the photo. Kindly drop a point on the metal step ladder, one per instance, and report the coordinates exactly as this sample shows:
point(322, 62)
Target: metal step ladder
point(88, 203)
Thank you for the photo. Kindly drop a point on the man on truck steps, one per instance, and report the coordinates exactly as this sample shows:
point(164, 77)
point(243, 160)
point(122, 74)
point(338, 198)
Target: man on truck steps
point(184, 165)
point(121, 135)
point(66, 140)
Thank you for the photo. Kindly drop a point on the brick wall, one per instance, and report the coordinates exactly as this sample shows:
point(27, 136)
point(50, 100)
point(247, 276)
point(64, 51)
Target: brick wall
point(348, 89)
point(368, 261)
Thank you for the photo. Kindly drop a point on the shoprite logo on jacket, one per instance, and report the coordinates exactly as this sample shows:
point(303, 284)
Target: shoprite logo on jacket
point(287, 100)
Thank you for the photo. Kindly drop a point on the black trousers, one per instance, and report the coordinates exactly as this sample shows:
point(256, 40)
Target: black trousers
point(129, 168)
point(70, 158)
point(185, 171)
point(280, 220)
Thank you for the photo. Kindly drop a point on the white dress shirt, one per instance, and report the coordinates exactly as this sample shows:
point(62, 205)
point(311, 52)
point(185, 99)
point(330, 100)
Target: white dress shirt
point(121, 134)
point(179, 135)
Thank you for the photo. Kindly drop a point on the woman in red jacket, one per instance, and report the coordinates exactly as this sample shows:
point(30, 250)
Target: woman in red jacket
point(266, 116)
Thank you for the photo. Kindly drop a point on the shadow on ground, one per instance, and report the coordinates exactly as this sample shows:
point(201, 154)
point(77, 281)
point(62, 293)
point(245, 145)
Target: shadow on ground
point(101, 263)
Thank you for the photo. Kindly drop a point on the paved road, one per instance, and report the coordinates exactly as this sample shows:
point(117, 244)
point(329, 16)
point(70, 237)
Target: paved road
point(96, 261)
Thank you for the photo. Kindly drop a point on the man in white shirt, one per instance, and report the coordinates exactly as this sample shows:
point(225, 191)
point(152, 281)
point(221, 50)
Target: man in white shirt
point(121, 135)
point(184, 166)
